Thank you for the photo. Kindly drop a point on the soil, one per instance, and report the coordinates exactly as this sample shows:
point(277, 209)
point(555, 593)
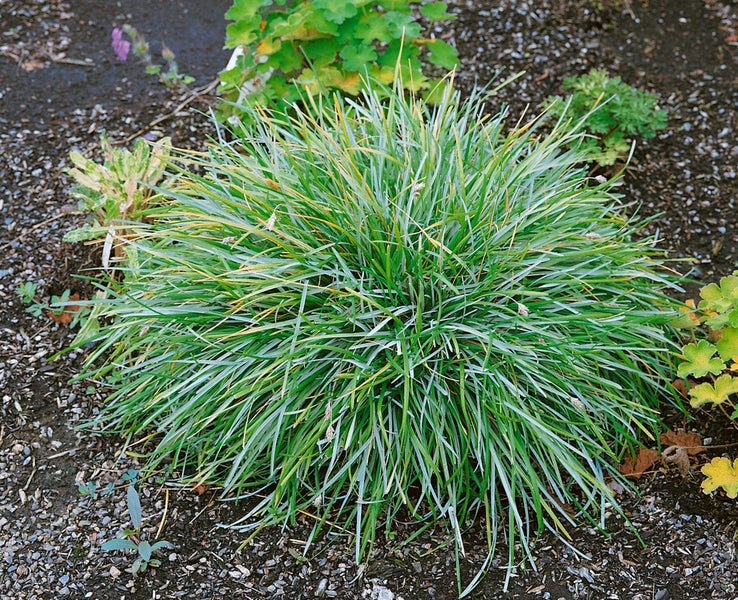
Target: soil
point(61, 85)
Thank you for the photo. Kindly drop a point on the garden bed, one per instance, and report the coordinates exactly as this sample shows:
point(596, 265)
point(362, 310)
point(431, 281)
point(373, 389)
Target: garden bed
point(62, 85)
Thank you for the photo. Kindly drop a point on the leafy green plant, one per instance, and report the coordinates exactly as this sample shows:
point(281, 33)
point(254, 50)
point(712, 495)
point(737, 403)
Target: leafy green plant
point(171, 77)
point(27, 291)
point(117, 191)
point(610, 112)
point(710, 358)
point(387, 305)
point(133, 538)
point(62, 308)
point(90, 489)
point(286, 48)
point(710, 366)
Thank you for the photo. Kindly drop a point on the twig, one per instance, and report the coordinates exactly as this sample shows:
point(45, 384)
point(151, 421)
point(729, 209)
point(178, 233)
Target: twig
point(629, 8)
point(195, 94)
point(71, 61)
point(28, 483)
point(58, 454)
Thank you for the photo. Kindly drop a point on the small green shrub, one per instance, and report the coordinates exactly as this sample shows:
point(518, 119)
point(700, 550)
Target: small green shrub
point(315, 46)
point(171, 77)
point(391, 305)
point(610, 112)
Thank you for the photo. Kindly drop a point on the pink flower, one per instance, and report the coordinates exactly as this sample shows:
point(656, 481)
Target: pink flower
point(120, 46)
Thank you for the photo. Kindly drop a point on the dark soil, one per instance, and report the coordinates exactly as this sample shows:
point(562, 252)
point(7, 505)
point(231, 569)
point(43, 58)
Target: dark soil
point(61, 85)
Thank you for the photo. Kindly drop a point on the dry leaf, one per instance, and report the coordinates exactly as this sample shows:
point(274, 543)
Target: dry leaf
point(67, 315)
point(635, 466)
point(615, 487)
point(691, 441)
point(31, 65)
point(677, 456)
point(200, 489)
point(681, 388)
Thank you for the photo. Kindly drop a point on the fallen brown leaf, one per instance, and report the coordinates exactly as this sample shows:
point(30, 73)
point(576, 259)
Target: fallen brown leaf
point(681, 388)
point(635, 466)
point(691, 441)
point(200, 489)
point(67, 315)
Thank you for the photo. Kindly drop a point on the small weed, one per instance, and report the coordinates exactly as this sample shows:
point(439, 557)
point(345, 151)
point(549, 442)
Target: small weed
point(610, 113)
point(27, 292)
point(170, 76)
point(133, 538)
point(60, 308)
point(116, 192)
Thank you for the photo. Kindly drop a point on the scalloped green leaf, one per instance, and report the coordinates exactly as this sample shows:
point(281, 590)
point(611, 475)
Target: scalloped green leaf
point(707, 393)
point(720, 298)
point(699, 361)
point(436, 11)
point(336, 11)
point(720, 473)
point(727, 346)
point(442, 54)
point(358, 58)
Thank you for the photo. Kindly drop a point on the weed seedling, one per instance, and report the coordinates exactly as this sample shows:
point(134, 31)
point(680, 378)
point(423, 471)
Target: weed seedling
point(133, 538)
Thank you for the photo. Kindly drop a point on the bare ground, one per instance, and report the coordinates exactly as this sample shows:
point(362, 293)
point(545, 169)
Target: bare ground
point(60, 85)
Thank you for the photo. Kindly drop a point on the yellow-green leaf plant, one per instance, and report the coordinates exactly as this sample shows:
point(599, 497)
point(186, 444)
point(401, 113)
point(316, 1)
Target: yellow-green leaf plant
point(720, 473)
point(710, 358)
point(283, 50)
point(713, 380)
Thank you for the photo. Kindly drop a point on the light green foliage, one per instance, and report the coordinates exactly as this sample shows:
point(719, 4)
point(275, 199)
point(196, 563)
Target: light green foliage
point(132, 538)
point(699, 361)
point(318, 46)
point(119, 190)
point(714, 318)
point(720, 302)
point(717, 393)
point(610, 113)
point(27, 292)
point(389, 305)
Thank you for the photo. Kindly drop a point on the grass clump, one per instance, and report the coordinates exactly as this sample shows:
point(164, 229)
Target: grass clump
point(386, 305)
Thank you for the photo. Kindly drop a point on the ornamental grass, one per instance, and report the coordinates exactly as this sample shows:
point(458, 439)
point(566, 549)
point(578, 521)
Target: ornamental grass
point(367, 307)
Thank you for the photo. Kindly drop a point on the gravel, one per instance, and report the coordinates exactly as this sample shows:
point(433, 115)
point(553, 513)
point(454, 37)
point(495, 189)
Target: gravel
point(60, 87)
